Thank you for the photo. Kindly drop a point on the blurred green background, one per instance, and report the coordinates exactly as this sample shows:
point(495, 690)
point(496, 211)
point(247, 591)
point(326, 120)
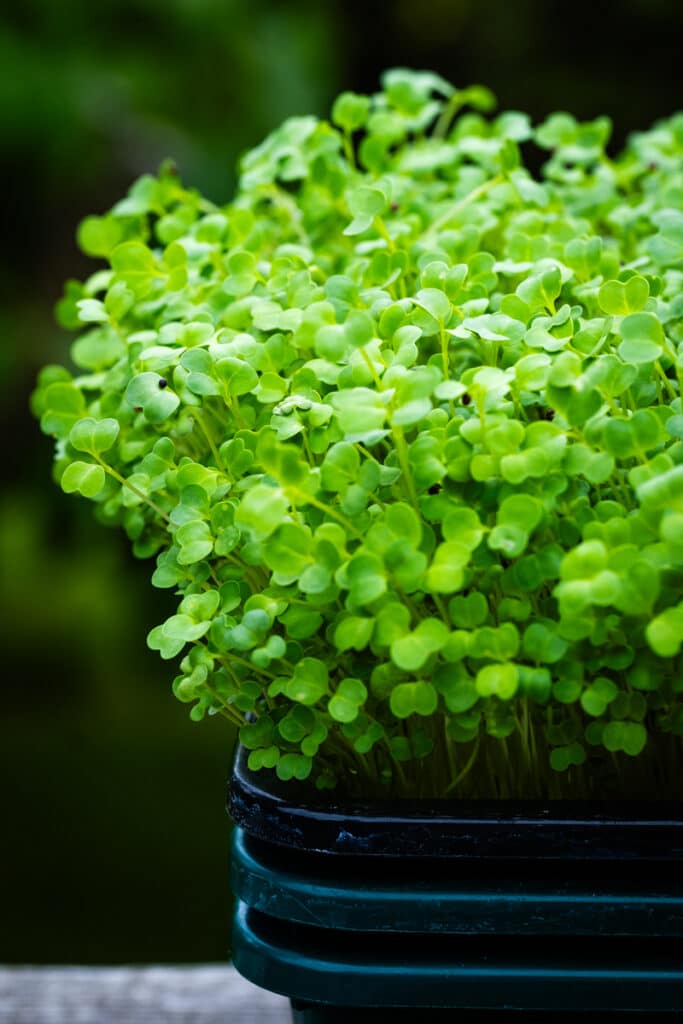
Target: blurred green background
point(115, 846)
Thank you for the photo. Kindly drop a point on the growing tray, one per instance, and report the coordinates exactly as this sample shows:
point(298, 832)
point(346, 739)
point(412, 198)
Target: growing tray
point(344, 969)
point(294, 816)
point(355, 908)
point(359, 894)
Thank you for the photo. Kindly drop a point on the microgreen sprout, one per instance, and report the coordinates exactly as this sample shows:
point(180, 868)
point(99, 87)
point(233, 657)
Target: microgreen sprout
point(402, 427)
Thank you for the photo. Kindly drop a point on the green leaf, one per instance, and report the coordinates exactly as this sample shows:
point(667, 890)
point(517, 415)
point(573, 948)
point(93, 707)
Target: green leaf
point(436, 303)
point(62, 405)
point(540, 291)
point(91, 311)
point(563, 758)
point(309, 682)
point(168, 647)
point(353, 633)
point(522, 511)
point(665, 633)
point(630, 737)
point(201, 607)
point(567, 691)
point(241, 270)
point(98, 236)
point(457, 688)
point(184, 627)
point(595, 466)
point(622, 297)
point(365, 203)
point(134, 264)
point(361, 414)
point(261, 510)
point(195, 541)
point(463, 526)
point(266, 758)
point(366, 579)
point(446, 573)
point(663, 490)
point(392, 622)
point(518, 516)
point(596, 698)
point(409, 699)
point(97, 350)
point(541, 643)
point(257, 734)
point(296, 724)
point(468, 612)
point(535, 683)
point(340, 467)
point(509, 156)
point(83, 477)
point(293, 766)
point(500, 642)
point(643, 338)
point(118, 301)
point(149, 392)
point(359, 328)
point(289, 550)
point(347, 700)
point(509, 539)
point(412, 651)
point(238, 377)
point(497, 681)
point(94, 436)
point(350, 111)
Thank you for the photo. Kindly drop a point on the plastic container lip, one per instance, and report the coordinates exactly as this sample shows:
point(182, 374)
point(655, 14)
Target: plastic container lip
point(296, 816)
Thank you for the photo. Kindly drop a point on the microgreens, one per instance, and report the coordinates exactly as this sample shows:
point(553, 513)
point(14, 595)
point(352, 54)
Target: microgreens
point(402, 426)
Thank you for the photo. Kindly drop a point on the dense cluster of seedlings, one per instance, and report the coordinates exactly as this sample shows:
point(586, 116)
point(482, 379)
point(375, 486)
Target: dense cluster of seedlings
point(402, 426)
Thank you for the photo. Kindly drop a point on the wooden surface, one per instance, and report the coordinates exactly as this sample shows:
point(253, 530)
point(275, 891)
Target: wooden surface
point(135, 995)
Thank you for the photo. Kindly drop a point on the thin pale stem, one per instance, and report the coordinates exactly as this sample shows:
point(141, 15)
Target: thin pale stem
point(131, 487)
point(454, 210)
point(209, 438)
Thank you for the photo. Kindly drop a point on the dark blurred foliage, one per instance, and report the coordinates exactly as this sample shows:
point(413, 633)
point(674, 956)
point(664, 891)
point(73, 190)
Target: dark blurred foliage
point(115, 845)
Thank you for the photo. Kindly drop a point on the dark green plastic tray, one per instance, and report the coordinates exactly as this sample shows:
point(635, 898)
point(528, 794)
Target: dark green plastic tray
point(296, 816)
point(358, 969)
point(383, 897)
point(356, 909)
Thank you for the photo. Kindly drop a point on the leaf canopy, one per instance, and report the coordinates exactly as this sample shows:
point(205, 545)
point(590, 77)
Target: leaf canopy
point(401, 425)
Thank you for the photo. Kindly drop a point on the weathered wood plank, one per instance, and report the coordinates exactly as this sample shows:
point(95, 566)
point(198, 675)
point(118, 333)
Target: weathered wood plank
point(212, 994)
